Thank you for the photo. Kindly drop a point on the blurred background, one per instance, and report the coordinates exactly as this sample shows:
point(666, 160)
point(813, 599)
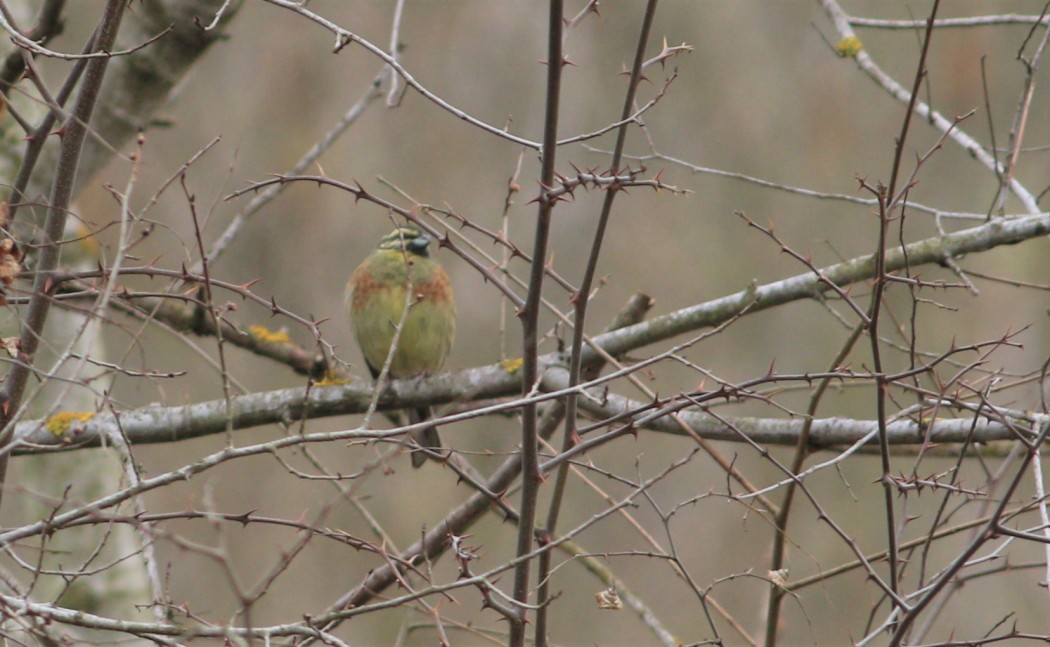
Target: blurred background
point(762, 94)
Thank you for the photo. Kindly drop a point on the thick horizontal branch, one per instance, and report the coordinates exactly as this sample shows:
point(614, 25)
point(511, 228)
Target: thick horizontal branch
point(939, 249)
point(166, 424)
point(825, 432)
point(160, 424)
point(156, 424)
point(187, 315)
point(942, 23)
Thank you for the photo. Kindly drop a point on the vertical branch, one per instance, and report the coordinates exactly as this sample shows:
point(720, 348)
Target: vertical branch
point(505, 255)
point(213, 312)
point(580, 301)
point(802, 450)
point(881, 384)
point(72, 133)
point(531, 476)
point(36, 139)
point(887, 200)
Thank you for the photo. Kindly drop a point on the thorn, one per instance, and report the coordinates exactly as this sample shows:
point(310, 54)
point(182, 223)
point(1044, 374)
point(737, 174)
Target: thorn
point(360, 193)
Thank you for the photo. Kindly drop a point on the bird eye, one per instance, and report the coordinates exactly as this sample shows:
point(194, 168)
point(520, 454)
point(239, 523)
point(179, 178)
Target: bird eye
point(418, 244)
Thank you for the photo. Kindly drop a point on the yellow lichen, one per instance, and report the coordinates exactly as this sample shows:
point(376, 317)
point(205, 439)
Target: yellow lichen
point(849, 47)
point(59, 423)
point(263, 333)
point(331, 378)
point(512, 365)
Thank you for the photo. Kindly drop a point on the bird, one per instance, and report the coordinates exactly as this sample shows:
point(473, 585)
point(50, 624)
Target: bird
point(376, 296)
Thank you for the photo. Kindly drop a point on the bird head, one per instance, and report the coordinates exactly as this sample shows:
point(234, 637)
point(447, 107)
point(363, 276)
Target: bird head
point(409, 239)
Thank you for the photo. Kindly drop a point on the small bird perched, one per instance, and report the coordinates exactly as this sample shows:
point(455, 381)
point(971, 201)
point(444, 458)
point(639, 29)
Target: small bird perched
point(376, 297)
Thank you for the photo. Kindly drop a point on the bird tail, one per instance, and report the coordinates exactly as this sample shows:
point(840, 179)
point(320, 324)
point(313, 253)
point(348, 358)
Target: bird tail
point(426, 437)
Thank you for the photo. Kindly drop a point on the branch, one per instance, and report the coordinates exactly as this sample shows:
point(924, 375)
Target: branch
point(968, 143)
point(157, 424)
point(74, 131)
point(937, 249)
point(137, 86)
point(165, 424)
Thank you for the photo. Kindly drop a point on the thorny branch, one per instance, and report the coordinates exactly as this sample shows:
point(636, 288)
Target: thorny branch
point(625, 428)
